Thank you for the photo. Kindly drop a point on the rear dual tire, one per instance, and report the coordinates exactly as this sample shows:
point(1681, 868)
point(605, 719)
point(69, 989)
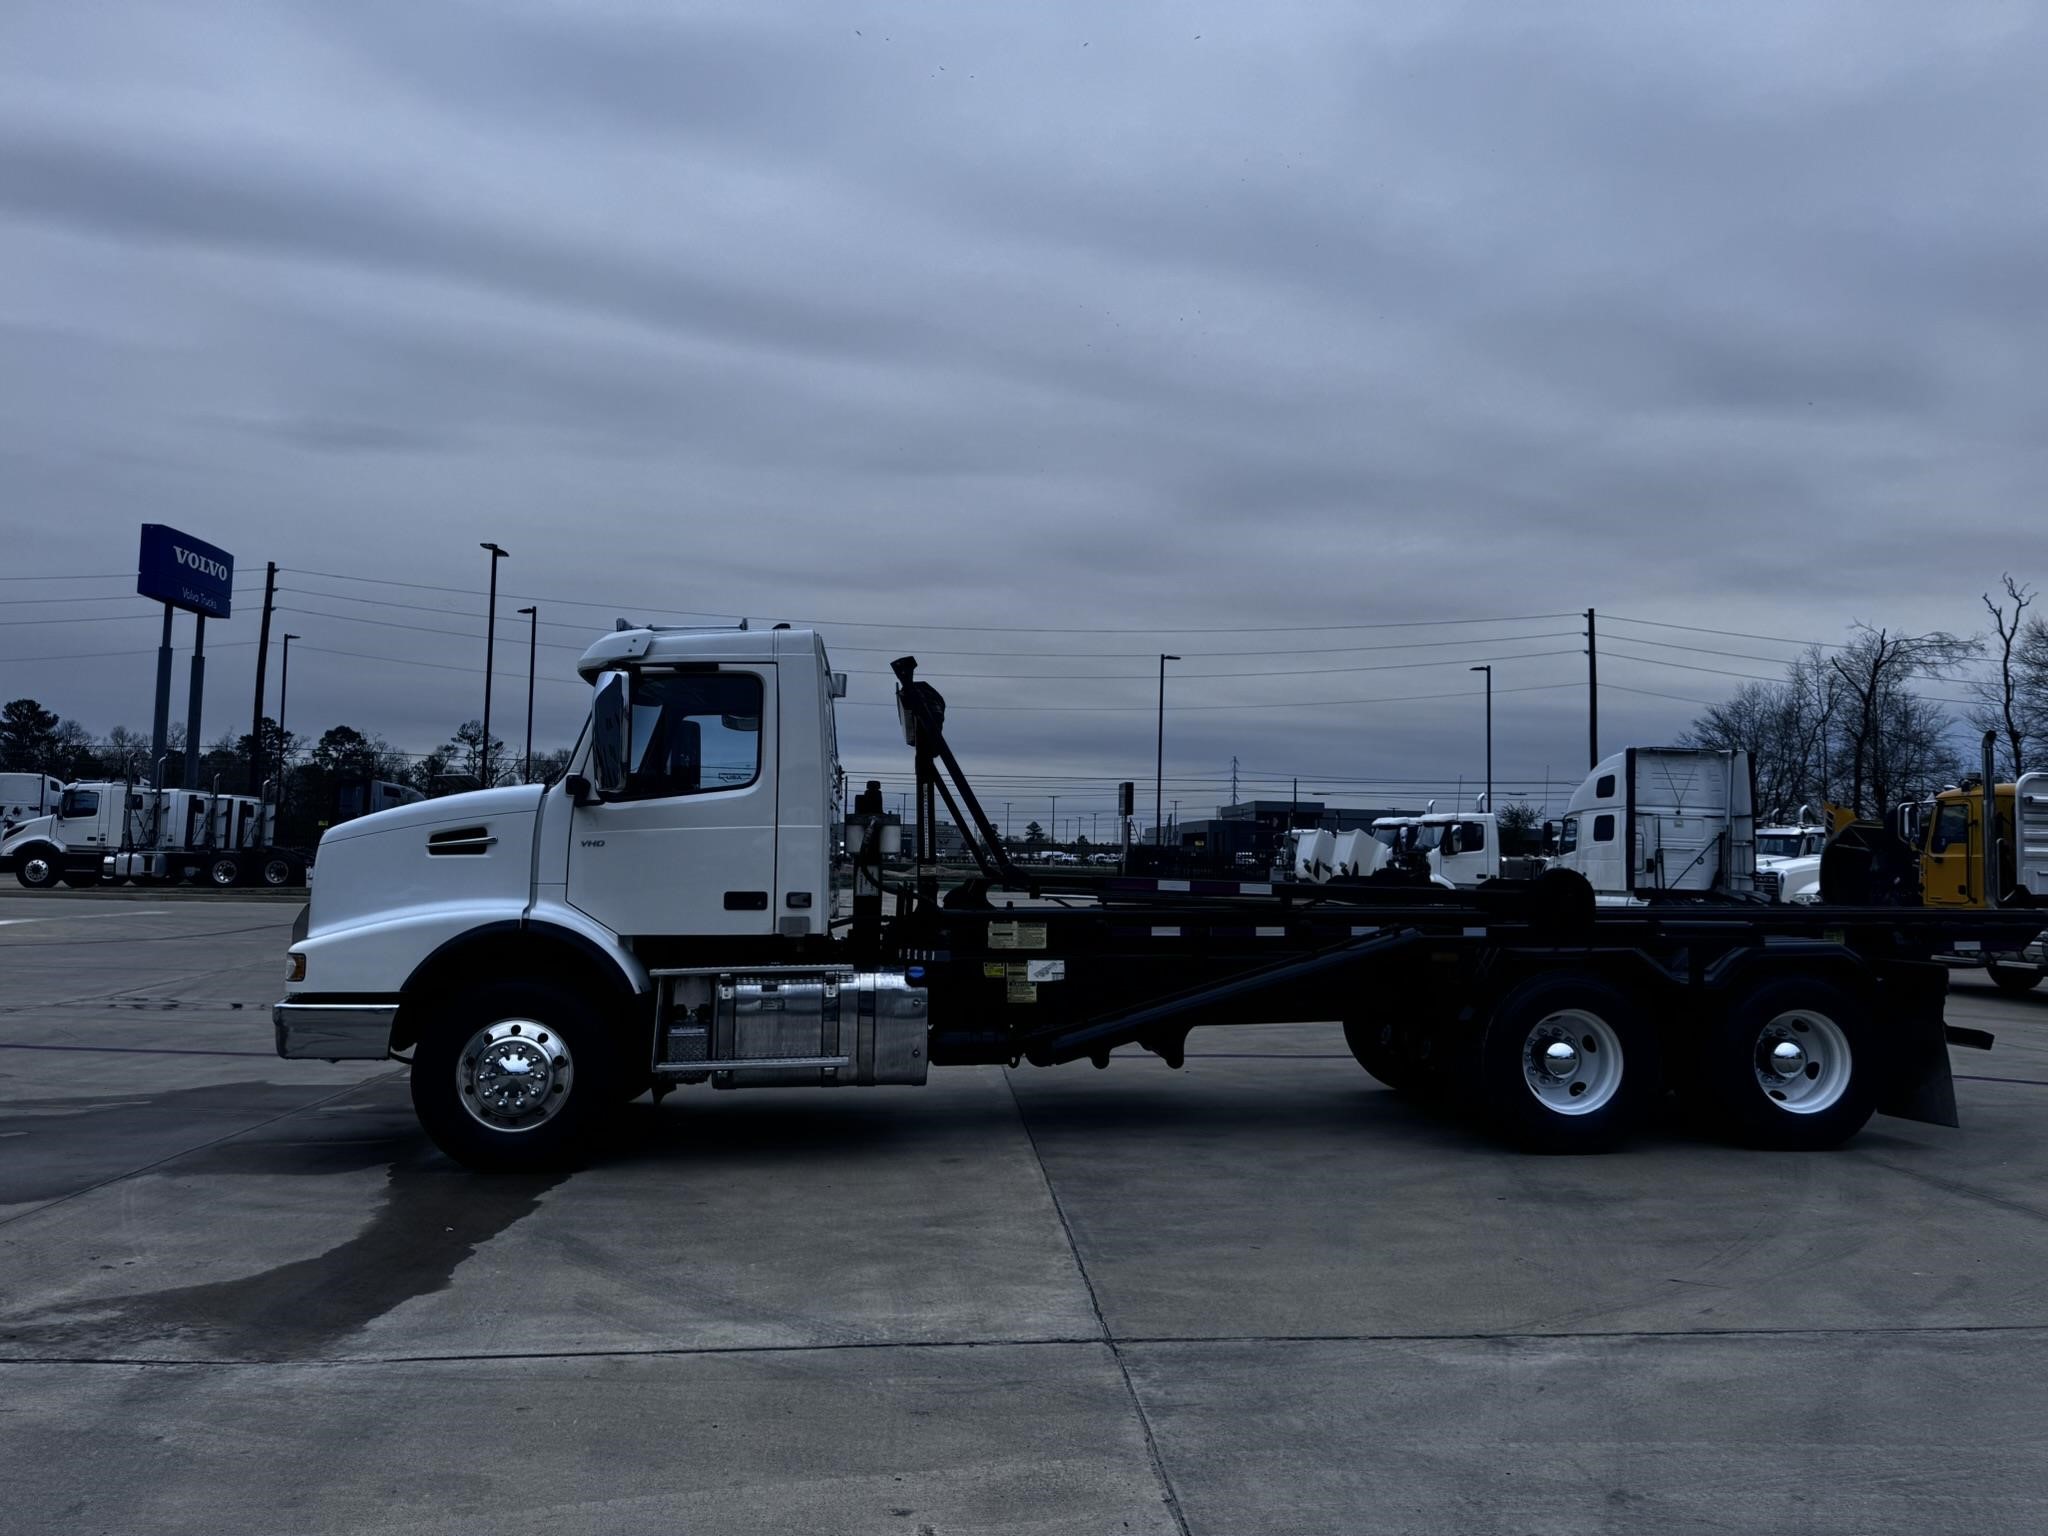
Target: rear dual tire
point(1569, 1064)
point(2014, 980)
point(1790, 1066)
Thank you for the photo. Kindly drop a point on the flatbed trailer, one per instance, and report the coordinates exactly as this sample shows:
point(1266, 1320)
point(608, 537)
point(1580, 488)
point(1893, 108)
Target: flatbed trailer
point(544, 952)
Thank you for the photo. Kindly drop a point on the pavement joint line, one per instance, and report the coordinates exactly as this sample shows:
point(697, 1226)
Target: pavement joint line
point(1142, 1341)
point(1166, 1490)
point(50, 1205)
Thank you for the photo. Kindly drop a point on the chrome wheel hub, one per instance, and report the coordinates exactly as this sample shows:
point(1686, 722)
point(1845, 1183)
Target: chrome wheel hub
point(1571, 1061)
point(37, 870)
point(1802, 1062)
point(514, 1075)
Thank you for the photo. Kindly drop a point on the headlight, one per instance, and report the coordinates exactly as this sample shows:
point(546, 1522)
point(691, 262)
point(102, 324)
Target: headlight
point(294, 966)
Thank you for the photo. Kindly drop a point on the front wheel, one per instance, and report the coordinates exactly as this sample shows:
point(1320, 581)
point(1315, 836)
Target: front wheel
point(1790, 1066)
point(1569, 1064)
point(2014, 979)
point(38, 869)
point(1375, 1045)
point(513, 1077)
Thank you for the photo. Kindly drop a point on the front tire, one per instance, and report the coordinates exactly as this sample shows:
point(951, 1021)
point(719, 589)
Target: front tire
point(39, 868)
point(1791, 1066)
point(1376, 1046)
point(1569, 1064)
point(514, 1077)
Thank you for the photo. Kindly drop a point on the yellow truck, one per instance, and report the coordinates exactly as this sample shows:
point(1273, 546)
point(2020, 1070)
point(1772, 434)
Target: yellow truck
point(1935, 853)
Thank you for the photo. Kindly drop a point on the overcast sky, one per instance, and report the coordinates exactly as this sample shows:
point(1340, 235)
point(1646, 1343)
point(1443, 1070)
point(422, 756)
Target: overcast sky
point(1057, 317)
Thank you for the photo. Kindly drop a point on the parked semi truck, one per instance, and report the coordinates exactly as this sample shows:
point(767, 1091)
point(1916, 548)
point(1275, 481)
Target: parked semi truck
point(663, 914)
point(24, 797)
point(110, 830)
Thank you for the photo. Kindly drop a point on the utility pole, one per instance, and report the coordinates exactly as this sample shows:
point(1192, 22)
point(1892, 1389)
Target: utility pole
point(532, 649)
point(490, 653)
point(1006, 821)
point(262, 660)
point(1176, 821)
point(1054, 818)
point(284, 689)
point(1233, 778)
point(1489, 734)
point(1592, 696)
point(1159, 767)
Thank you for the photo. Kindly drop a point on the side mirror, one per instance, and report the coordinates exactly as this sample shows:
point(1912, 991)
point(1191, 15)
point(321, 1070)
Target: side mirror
point(1550, 837)
point(611, 734)
point(579, 789)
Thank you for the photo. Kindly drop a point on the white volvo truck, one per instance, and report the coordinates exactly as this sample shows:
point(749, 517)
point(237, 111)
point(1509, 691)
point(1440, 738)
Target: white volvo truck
point(110, 830)
point(663, 914)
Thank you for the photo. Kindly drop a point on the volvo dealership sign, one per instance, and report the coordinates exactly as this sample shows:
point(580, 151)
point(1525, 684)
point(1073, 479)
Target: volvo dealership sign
point(185, 572)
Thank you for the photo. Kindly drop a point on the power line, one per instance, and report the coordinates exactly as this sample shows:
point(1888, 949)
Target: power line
point(992, 629)
point(1731, 634)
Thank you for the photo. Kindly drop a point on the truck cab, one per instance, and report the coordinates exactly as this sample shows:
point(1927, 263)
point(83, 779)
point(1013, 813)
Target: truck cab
point(1655, 822)
point(1788, 857)
point(69, 842)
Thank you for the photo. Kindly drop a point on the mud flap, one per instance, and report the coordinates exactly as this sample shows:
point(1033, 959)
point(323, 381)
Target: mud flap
point(1919, 1086)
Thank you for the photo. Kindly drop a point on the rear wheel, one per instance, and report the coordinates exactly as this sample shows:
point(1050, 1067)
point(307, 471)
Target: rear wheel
point(37, 869)
point(1569, 1064)
point(278, 870)
point(513, 1076)
point(223, 870)
point(2014, 979)
point(1790, 1066)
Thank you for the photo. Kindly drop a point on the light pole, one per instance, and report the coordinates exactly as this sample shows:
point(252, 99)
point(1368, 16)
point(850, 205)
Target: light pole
point(532, 648)
point(284, 688)
point(490, 655)
point(1054, 818)
point(1159, 766)
point(1489, 733)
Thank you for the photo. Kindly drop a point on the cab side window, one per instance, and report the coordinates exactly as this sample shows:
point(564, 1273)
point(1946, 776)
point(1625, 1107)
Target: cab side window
point(694, 733)
point(1603, 829)
point(1471, 836)
point(1951, 829)
point(79, 803)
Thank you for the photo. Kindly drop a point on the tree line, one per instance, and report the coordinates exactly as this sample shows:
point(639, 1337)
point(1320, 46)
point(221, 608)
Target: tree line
point(1847, 726)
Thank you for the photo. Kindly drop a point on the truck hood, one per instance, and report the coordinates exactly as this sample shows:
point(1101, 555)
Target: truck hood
point(451, 854)
point(478, 804)
point(25, 832)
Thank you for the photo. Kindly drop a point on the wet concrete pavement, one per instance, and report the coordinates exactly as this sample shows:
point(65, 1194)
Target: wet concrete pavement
point(1262, 1294)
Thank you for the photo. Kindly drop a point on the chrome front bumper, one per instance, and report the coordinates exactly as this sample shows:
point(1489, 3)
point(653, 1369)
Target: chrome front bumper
point(333, 1031)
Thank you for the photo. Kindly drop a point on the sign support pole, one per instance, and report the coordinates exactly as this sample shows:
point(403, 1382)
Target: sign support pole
point(160, 737)
point(192, 706)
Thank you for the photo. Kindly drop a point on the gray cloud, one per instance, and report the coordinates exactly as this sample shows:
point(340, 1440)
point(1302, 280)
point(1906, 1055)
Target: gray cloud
point(1053, 320)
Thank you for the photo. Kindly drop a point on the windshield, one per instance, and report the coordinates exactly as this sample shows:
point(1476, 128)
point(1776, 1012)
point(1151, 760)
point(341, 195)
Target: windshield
point(1777, 845)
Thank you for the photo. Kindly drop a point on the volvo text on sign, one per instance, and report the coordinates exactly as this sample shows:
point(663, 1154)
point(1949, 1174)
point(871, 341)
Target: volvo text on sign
point(185, 572)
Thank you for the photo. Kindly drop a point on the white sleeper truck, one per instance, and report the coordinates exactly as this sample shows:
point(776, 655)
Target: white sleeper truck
point(664, 915)
point(110, 830)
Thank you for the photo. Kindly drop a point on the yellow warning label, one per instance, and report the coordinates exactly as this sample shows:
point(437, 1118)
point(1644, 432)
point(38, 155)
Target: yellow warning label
point(995, 970)
point(1016, 935)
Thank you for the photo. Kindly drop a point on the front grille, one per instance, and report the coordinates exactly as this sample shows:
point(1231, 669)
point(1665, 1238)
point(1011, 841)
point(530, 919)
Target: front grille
point(1769, 883)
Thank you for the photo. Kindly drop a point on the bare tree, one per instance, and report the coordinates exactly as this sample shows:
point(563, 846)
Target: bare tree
point(1875, 669)
point(2003, 710)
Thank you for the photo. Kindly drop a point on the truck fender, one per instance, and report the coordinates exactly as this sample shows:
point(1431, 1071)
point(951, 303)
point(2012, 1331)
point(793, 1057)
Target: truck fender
point(516, 947)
